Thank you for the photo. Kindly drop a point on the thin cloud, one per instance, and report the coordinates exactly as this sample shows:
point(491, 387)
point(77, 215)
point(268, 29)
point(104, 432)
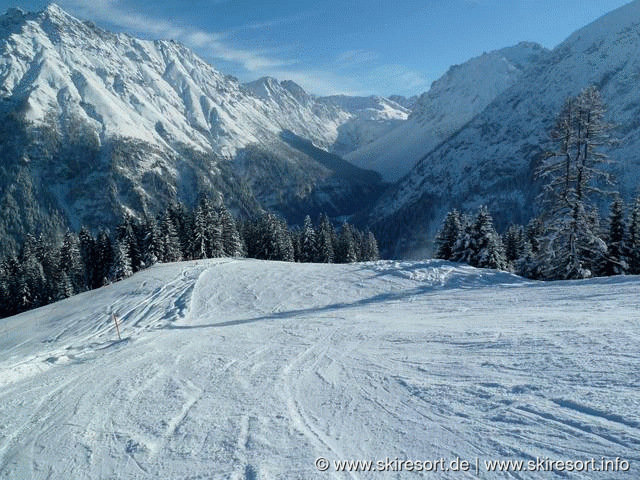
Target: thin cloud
point(274, 22)
point(356, 57)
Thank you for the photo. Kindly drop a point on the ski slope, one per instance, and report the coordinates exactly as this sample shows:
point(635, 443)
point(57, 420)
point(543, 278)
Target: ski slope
point(242, 369)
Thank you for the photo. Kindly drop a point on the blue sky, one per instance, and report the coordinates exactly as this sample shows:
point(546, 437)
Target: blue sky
point(341, 46)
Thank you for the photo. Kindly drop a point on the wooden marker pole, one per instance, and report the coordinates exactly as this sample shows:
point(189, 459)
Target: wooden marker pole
point(115, 320)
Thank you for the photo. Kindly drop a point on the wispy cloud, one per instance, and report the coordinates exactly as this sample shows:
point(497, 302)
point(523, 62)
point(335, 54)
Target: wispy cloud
point(275, 22)
point(356, 57)
point(348, 75)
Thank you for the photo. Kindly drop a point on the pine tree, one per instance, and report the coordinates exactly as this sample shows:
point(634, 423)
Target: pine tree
point(346, 251)
point(514, 243)
point(200, 230)
point(71, 262)
point(126, 234)
point(104, 258)
point(121, 262)
point(150, 241)
point(87, 246)
point(171, 247)
point(616, 258)
point(464, 250)
point(448, 236)
point(215, 237)
point(489, 251)
point(326, 253)
point(572, 176)
point(231, 240)
point(634, 239)
point(370, 251)
point(308, 242)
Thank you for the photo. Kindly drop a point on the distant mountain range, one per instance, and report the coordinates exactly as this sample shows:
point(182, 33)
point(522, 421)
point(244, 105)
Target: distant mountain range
point(97, 124)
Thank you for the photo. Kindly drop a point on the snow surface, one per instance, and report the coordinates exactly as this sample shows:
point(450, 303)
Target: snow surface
point(251, 370)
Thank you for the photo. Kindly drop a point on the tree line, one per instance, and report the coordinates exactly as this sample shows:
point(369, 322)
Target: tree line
point(567, 240)
point(46, 271)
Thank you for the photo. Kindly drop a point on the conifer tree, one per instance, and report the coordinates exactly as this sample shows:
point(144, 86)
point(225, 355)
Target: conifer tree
point(370, 247)
point(324, 239)
point(171, 247)
point(448, 236)
point(308, 242)
point(616, 258)
point(231, 240)
point(346, 251)
point(487, 245)
point(71, 262)
point(572, 177)
point(634, 239)
point(104, 258)
point(121, 267)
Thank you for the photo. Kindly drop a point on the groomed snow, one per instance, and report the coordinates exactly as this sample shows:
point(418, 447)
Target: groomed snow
point(251, 370)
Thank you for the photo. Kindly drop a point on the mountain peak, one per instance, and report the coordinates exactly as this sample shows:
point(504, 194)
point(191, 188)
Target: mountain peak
point(55, 13)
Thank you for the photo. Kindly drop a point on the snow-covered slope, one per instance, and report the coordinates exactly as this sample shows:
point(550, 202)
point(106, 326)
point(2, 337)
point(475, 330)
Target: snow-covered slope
point(371, 118)
point(454, 99)
point(350, 122)
point(253, 370)
point(491, 160)
point(98, 123)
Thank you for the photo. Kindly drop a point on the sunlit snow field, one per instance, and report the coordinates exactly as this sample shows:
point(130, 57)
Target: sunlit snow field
point(252, 370)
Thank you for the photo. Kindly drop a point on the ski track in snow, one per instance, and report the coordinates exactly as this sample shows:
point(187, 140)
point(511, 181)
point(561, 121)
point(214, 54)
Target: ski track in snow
point(251, 370)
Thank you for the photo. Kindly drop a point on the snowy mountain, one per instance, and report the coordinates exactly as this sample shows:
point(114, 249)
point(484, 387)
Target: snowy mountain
point(454, 99)
point(492, 158)
point(98, 123)
point(351, 121)
point(253, 370)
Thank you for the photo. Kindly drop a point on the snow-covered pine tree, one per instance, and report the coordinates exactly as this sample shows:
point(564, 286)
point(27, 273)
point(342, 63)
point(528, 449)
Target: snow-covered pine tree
point(151, 241)
point(370, 250)
point(121, 267)
point(32, 284)
point(464, 250)
point(489, 251)
point(615, 262)
point(448, 236)
point(215, 245)
point(171, 247)
point(88, 255)
point(231, 240)
point(126, 233)
point(183, 223)
point(324, 239)
point(308, 242)
point(534, 231)
point(346, 251)
point(11, 267)
point(634, 239)
point(4, 290)
point(514, 243)
point(200, 232)
point(71, 262)
point(573, 175)
point(104, 258)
